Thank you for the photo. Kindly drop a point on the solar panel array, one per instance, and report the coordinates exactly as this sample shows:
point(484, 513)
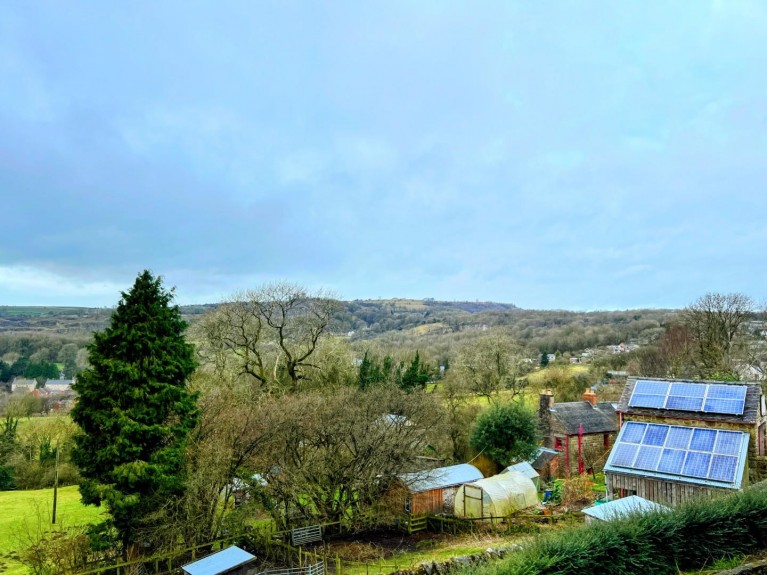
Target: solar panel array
point(712, 454)
point(688, 396)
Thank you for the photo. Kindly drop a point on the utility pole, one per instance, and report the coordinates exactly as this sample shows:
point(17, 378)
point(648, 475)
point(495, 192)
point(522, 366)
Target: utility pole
point(55, 486)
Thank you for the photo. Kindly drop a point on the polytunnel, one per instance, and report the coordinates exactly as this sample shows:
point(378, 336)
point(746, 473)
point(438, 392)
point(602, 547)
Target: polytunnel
point(495, 496)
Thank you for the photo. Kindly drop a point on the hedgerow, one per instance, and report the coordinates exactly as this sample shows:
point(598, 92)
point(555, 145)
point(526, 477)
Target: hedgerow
point(689, 537)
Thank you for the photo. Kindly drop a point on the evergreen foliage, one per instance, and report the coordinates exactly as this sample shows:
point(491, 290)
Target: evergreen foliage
point(506, 433)
point(416, 376)
point(134, 409)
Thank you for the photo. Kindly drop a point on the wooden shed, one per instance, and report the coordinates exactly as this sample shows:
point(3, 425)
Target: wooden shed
point(433, 491)
point(672, 464)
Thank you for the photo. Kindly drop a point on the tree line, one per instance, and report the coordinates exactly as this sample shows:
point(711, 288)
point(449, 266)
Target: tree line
point(260, 400)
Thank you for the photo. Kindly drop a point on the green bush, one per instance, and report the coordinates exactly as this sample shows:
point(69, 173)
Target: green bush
point(690, 537)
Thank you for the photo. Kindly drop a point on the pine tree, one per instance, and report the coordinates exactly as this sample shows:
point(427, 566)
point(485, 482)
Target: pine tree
point(416, 375)
point(135, 411)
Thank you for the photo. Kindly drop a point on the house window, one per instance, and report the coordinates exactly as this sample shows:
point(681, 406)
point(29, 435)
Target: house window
point(558, 444)
point(607, 441)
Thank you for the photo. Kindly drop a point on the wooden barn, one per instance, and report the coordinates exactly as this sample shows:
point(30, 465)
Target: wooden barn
point(433, 491)
point(681, 440)
point(581, 432)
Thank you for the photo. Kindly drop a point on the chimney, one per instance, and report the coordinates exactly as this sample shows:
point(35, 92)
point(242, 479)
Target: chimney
point(590, 396)
point(546, 402)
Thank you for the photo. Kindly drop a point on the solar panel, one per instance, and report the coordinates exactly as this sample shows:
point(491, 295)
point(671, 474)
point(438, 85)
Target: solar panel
point(651, 387)
point(689, 396)
point(684, 403)
point(703, 439)
point(694, 452)
point(730, 406)
point(688, 389)
point(655, 434)
point(633, 432)
point(671, 461)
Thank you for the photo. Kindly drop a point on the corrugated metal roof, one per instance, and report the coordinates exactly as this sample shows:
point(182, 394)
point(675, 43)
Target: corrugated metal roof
point(631, 505)
point(542, 457)
point(440, 478)
point(524, 468)
point(219, 562)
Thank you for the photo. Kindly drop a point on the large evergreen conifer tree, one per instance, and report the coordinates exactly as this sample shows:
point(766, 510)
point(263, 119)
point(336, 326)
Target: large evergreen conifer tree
point(135, 411)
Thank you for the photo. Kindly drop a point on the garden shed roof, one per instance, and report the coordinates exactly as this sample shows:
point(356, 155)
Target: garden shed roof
point(524, 468)
point(440, 478)
point(631, 505)
point(220, 562)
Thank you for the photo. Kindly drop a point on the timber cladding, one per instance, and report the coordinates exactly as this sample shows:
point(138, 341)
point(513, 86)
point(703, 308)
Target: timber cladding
point(659, 490)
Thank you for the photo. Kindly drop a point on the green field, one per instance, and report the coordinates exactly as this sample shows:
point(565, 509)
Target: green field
point(22, 511)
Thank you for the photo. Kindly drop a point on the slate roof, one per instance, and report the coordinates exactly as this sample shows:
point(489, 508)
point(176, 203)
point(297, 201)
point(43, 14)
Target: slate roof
point(750, 407)
point(220, 562)
point(631, 505)
point(542, 457)
point(440, 478)
point(599, 418)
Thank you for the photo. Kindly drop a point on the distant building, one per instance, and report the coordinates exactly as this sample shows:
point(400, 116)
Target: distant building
point(21, 385)
point(58, 385)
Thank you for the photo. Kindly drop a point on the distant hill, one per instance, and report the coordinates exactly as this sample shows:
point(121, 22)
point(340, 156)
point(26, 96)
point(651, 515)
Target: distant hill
point(406, 322)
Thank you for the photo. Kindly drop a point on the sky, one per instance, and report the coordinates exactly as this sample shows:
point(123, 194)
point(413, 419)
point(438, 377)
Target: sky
point(553, 155)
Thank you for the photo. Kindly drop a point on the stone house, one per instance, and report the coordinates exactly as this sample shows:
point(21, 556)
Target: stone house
point(581, 432)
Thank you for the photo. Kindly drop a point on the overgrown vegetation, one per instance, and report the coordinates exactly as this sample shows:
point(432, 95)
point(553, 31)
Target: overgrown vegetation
point(690, 537)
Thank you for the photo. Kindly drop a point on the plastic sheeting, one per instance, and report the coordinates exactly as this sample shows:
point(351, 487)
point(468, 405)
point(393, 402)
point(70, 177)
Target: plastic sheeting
point(496, 496)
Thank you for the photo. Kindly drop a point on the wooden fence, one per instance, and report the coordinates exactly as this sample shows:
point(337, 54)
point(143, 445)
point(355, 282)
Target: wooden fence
point(272, 545)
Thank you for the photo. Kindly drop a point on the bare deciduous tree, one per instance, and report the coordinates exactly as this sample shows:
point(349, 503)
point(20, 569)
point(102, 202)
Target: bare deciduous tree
point(715, 321)
point(269, 334)
point(336, 453)
point(491, 364)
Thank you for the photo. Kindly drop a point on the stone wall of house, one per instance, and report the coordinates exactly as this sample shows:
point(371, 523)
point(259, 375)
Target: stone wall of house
point(595, 454)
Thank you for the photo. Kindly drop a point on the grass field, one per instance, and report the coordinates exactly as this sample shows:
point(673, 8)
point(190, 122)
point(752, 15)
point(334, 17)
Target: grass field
point(536, 378)
point(20, 512)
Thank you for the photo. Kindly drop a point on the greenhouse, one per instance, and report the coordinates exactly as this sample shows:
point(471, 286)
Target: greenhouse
point(496, 496)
